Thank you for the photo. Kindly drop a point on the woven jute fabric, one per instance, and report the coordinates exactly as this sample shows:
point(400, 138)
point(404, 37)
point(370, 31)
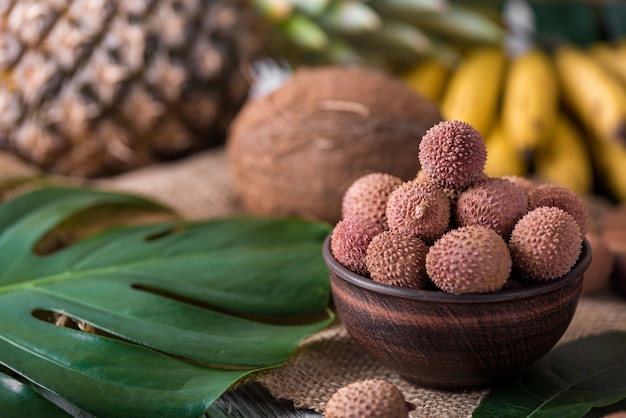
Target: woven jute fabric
point(11, 166)
point(200, 187)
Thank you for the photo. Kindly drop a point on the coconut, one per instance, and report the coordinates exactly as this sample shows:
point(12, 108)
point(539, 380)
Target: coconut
point(298, 149)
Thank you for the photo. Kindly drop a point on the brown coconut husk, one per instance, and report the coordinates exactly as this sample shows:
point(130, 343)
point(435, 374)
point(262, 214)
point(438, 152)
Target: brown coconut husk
point(296, 150)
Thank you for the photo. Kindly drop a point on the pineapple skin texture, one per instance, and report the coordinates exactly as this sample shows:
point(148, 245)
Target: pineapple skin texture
point(92, 88)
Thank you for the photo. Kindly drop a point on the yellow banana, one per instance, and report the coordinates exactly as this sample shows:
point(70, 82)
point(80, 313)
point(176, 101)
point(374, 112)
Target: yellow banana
point(611, 56)
point(595, 95)
point(610, 159)
point(564, 158)
point(530, 100)
point(428, 78)
point(473, 91)
point(502, 158)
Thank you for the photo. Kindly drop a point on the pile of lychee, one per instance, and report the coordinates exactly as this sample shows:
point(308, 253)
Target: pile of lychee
point(454, 228)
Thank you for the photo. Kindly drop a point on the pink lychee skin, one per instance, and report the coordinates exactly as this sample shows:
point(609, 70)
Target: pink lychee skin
point(398, 260)
point(369, 398)
point(469, 259)
point(419, 208)
point(552, 194)
point(367, 196)
point(525, 184)
point(349, 241)
point(453, 154)
point(545, 243)
point(495, 203)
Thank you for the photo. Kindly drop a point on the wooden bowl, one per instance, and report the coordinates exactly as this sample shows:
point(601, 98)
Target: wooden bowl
point(445, 341)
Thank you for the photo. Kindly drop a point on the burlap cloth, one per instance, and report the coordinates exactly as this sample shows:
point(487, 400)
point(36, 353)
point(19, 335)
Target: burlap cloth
point(199, 187)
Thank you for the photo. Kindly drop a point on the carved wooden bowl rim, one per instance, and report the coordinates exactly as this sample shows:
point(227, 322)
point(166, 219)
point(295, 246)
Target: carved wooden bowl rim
point(439, 296)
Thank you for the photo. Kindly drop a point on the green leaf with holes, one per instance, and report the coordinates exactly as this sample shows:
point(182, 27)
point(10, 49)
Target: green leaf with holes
point(181, 310)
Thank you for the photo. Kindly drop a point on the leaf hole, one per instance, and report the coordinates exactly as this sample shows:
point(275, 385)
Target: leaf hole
point(308, 318)
point(92, 221)
point(9, 372)
point(175, 229)
point(63, 320)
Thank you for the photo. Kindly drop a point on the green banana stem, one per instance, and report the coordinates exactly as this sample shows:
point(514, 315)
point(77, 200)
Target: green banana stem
point(411, 6)
point(311, 7)
point(351, 17)
point(305, 33)
point(461, 24)
point(402, 37)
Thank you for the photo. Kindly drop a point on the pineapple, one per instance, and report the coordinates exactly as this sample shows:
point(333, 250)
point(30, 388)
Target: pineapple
point(90, 88)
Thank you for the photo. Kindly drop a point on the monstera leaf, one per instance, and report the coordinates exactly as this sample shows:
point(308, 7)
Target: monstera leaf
point(567, 382)
point(179, 311)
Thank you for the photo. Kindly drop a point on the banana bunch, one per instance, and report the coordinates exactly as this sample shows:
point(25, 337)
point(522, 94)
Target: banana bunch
point(594, 90)
point(557, 115)
point(473, 91)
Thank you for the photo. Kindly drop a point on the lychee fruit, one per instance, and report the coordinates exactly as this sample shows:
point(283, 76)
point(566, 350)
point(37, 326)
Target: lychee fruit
point(495, 203)
point(349, 241)
point(397, 259)
point(545, 243)
point(469, 259)
point(525, 184)
point(453, 154)
point(419, 208)
point(552, 194)
point(452, 194)
point(367, 196)
point(370, 398)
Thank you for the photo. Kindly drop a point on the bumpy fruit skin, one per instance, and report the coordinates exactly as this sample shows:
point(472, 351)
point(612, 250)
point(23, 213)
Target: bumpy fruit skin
point(545, 243)
point(350, 239)
point(469, 259)
point(398, 260)
point(453, 154)
point(367, 196)
point(495, 203)
point(452, 194)
point(551, 194)
point(97, 87)
point(419, 208)
point(371, 398)
point(526, 185)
